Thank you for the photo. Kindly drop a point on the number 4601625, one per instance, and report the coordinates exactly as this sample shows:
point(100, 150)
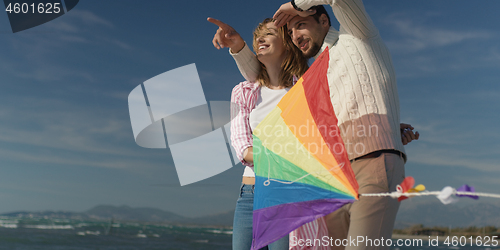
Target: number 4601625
point(41, 8)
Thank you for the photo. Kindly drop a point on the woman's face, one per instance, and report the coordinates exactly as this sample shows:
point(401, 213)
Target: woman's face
point(269, 45)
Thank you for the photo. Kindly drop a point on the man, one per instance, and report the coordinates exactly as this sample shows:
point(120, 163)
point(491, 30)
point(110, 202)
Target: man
point(364, 95)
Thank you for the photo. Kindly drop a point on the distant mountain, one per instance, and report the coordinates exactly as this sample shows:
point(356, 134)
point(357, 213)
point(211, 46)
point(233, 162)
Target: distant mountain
point(427, 212)
point(156, 215)
point(126, 213)
point(48, 214)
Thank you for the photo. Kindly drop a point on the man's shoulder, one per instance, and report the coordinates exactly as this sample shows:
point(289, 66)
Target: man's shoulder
point(329, 41)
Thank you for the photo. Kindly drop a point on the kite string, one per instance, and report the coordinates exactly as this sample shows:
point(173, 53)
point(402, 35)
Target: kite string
point(268, 181)
point(397, 194)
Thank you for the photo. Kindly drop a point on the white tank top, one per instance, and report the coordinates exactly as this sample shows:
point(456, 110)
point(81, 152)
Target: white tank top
point(267, 99)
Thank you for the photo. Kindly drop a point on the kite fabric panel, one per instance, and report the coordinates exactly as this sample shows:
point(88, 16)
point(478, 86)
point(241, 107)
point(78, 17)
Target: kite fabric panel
point(300, 162)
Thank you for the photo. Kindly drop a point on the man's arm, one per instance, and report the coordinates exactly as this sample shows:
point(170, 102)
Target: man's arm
point(226, 36)
point(351, 15)
point(247, 63)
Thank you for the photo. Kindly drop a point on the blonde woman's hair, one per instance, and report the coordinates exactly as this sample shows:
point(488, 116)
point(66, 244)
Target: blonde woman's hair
point(294, 64)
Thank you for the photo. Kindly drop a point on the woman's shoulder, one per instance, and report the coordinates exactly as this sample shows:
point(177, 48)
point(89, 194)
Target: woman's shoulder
point(245, 86)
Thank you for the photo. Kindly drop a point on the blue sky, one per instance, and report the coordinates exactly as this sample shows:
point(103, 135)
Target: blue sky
point(66, 141)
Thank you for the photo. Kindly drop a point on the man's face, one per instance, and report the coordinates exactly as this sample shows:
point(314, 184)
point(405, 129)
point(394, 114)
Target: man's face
point(307, 34)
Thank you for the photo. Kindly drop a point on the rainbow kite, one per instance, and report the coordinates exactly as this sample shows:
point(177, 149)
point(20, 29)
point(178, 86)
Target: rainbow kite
point(301, 165)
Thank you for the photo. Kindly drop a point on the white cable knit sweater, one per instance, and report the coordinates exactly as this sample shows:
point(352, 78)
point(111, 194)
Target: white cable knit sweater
point(361, 76)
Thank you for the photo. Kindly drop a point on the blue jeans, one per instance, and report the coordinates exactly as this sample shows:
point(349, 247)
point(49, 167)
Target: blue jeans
point(242, 224)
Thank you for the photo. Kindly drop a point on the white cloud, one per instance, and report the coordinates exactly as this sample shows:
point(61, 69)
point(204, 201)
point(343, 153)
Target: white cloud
point(421, 49)
point(39, 70)
point(58, 132)
point(61, 26)
point(34, 157)
point(493, 56)
point(70, 38)
point(444, 142)
point(78, 26)
point(37, 189)
point(415, 37)
point(119, 43)
point(89, 18)
point(39, 53)
point(487, 180)
point(75, 21)
point(435, 156)
point(492, 95)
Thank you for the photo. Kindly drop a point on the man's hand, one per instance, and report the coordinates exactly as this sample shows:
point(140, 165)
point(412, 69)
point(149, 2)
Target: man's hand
point(226, 36)
point(407, 134)
point(287, 12)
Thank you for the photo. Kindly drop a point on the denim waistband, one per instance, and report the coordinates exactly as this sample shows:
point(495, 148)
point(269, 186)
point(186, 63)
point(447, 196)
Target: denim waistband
point(247, 188)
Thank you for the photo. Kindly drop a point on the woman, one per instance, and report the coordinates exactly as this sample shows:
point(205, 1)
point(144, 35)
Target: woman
point(280, 65)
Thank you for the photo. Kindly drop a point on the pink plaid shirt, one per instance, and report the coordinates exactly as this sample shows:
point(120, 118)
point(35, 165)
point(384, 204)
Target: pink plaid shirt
point(245, 96)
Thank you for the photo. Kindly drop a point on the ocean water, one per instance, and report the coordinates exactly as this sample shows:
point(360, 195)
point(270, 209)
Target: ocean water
point(56, 234)
point(68, 235)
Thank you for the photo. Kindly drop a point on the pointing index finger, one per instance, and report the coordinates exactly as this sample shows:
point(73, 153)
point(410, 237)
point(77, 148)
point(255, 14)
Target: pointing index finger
point(218, 23)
